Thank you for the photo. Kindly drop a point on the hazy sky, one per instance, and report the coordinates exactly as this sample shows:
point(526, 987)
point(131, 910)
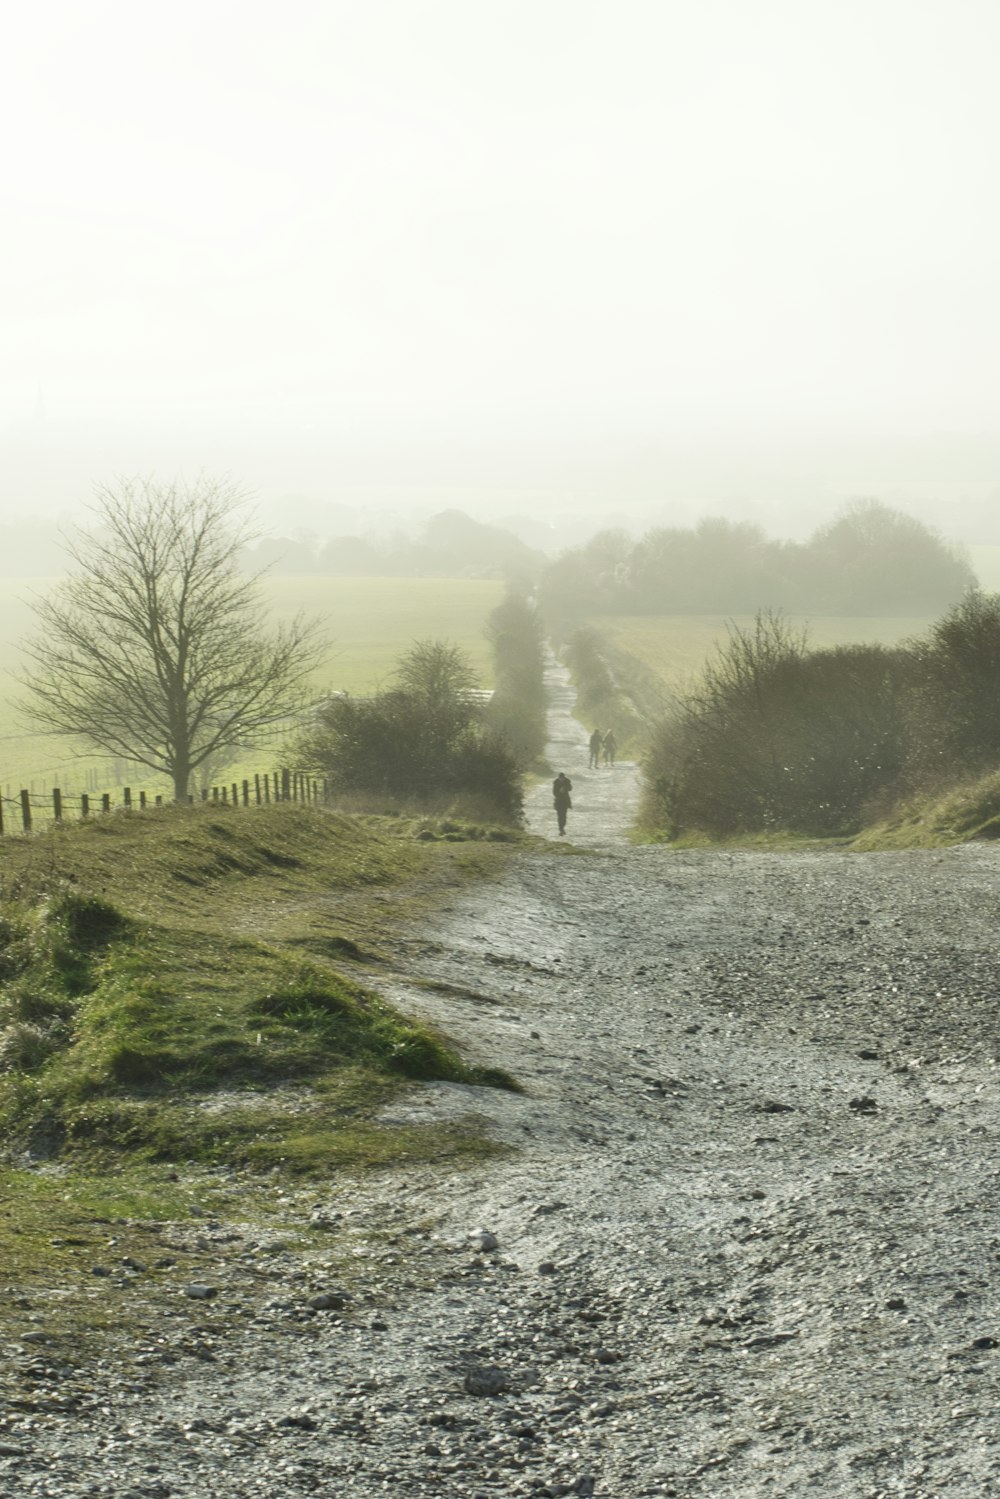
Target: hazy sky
point(737, 255)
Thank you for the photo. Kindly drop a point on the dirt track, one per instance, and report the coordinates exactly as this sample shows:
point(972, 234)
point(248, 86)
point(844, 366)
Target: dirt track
point(746, 1243)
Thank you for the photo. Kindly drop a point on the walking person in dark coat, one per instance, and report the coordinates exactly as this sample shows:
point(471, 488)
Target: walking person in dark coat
point(561, 788)
point(610, 748)
point(596, 745)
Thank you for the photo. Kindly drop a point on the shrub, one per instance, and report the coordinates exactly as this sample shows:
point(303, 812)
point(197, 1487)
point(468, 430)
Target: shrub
point(777, 737)
point(517, 712)
point(423, 742)
point(600, 699)
point(958, 689)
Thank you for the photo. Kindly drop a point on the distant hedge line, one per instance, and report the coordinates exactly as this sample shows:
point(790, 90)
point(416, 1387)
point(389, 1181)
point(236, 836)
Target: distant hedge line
point(870, 561)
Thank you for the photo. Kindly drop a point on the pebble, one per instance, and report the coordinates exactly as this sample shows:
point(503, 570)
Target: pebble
point(486, 1380)
point(327, 1301)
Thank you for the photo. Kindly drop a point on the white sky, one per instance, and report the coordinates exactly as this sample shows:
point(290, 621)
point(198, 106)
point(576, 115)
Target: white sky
point(504, 253)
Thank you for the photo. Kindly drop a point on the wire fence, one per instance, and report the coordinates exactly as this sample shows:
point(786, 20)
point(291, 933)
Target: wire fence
point(22, 813)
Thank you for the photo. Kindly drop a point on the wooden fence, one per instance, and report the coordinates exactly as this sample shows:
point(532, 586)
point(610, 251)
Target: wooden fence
point(18, 814)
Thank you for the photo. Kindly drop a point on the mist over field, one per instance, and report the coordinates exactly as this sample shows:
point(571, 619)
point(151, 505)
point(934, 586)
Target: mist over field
point(557, 265)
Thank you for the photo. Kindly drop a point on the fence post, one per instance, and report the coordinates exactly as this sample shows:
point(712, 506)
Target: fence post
point(246, 793)
point(106, 802)
point(85, 805)
point(267, 788)
point(1, 814)
point(215, 793)
point(236, 795)
point(57, 804)
point(127, 794)
point(286, 785)
point(159, 801)
point(26, 810)
point(142, 801)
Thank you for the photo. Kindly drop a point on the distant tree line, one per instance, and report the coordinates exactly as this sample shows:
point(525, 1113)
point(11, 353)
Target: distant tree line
point(871, 560)
point(451, 545)
point(776, 736)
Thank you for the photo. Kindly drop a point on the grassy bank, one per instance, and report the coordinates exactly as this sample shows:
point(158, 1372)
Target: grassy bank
point(965, 813)
point(183, 996)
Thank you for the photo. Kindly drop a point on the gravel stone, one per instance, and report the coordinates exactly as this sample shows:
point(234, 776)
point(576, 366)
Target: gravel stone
point(812, 1311)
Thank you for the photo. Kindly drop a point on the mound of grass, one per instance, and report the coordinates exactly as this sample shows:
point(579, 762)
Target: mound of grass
point(960, 814)
point(154, 1002)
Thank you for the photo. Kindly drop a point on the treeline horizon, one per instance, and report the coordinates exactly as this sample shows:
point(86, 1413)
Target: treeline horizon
point(869, 560)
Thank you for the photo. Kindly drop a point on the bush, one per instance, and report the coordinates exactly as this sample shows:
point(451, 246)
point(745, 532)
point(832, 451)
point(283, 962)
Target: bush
point(517, 712)
point(599, 700)
point(776, 737)
point(958, 696)
point(422, 743)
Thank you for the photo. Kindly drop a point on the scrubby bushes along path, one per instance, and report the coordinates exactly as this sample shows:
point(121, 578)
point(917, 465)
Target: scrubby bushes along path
point(519, 704)
point(608, 687)
point(424, 743)
point(776, 736)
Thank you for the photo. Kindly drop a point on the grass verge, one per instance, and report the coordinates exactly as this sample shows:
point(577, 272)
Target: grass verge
point(174, 1002)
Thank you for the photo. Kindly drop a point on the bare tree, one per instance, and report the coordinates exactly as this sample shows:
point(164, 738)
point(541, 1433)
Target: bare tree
point(156, 648)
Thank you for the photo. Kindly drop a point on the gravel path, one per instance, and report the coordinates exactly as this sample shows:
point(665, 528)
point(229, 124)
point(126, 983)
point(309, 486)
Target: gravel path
point(746, 1242)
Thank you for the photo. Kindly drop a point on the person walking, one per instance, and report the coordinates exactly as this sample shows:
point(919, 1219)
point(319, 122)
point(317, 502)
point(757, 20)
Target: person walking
point(561, 788)
point(610, 748)
point(596, 744)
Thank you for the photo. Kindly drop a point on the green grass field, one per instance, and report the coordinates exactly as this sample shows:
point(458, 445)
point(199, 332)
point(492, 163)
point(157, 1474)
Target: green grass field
point(370, 622)
point(676, 646)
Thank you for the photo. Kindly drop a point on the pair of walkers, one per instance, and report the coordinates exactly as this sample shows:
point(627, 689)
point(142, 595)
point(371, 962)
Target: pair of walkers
point(603, 748)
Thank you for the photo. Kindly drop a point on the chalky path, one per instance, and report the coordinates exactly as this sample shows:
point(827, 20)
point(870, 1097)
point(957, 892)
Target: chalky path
point(745, 1243)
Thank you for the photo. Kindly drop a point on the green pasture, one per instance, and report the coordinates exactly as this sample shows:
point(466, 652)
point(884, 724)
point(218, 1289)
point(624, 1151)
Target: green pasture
point(675, 647)
point(370, 622)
